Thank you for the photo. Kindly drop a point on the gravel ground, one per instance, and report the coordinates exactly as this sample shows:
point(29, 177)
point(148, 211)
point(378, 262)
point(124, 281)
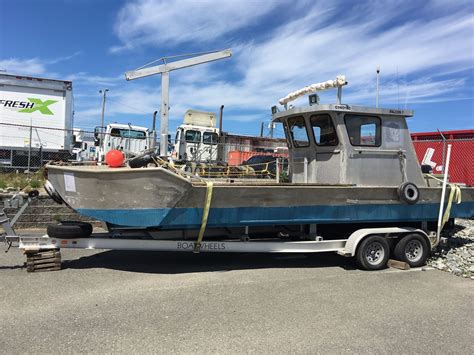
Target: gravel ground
point(457, 257)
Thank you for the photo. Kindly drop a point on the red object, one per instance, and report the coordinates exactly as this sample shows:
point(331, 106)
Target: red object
point(236, 157)
point(429, 149)
point(114, 158)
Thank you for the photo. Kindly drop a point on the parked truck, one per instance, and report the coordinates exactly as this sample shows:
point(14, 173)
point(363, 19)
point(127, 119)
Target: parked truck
point(84, 148)
point(197, 138)
point(131, 140)
point(36, 120)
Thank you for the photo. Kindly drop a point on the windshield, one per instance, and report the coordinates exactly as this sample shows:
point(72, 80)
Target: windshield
point(192, 136)
point(127, 133)
point(298, 132)
point(209, 138)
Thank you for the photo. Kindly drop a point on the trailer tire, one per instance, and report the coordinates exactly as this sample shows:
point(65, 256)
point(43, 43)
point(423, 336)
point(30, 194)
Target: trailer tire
point(69, 230)
point(412, 249)
point(86, 227)
point(373, 253)
point(408, 192)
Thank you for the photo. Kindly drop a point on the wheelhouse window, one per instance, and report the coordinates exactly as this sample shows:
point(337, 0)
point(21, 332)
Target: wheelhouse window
point(298, 132)
point(323, 130)
point(209, 138)
point(192, 136)
point(363, 130)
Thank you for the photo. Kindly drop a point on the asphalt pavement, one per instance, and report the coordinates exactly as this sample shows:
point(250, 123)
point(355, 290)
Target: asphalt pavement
point(143, 302)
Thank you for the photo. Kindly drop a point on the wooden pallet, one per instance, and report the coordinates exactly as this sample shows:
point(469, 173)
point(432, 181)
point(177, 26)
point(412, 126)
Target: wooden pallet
point(45, 260)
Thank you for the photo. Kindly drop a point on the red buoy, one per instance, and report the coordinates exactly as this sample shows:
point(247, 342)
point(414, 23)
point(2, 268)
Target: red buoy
point(114, 158)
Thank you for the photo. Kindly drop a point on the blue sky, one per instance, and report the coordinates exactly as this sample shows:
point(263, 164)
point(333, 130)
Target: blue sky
point(425, 50)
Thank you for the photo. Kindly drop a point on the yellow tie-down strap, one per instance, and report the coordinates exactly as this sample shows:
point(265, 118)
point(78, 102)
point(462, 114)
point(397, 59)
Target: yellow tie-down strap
point(454, 196)
point(205, 214)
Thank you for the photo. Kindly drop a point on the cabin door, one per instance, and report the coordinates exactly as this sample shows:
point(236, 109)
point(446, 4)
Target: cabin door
point(326, 147)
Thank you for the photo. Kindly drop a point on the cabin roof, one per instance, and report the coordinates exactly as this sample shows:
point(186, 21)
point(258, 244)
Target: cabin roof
point(277, 117)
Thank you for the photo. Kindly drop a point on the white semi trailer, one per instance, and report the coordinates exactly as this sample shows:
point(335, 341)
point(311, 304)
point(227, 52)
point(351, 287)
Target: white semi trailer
point(36, 120)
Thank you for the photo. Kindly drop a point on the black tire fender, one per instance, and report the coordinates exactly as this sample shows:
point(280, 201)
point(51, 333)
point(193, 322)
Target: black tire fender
point(408, 192)
point(52, 192)
point(69, 230)
point(141, 161)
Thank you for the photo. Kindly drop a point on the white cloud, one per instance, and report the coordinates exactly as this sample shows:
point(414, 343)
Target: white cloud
point(65, 58)
point(144, 22)
point(84, 78)
point(33, 66)
point(425, 54)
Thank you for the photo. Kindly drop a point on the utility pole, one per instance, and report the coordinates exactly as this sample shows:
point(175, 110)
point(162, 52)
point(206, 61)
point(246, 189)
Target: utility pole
point(29, 149)
point(104, 93)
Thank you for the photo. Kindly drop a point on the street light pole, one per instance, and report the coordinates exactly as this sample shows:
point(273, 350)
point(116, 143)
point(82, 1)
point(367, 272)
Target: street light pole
point(104, 93)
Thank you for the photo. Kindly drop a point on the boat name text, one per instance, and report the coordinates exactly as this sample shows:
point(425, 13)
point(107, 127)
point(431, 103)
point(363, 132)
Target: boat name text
point(396, 111)
point(342, 107)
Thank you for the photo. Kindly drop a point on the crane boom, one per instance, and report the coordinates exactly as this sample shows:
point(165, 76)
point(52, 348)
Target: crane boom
point(164, 70)
point(167, 67)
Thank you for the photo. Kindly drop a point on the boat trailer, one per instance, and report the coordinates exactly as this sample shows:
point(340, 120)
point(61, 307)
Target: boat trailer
point(43, 253)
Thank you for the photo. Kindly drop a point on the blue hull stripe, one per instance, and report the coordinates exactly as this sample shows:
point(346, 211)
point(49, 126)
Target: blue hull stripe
point(254, 216)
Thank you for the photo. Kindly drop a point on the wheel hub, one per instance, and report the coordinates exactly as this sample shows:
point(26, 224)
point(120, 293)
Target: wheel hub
point(413, 250)
point(374, 253)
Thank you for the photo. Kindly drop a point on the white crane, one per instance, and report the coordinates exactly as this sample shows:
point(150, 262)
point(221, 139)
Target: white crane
point(164, 70)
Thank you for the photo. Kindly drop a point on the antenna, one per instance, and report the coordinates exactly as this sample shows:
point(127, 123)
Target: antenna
point(377, 93)
point(398, 89)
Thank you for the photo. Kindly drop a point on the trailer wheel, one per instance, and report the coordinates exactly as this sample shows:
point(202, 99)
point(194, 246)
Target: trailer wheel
point(69, 230)
point(412, 249)
point(373, 253)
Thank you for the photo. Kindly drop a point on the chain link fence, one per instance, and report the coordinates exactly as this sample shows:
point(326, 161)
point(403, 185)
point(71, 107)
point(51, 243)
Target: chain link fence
point(22, 165)
point(433, 152)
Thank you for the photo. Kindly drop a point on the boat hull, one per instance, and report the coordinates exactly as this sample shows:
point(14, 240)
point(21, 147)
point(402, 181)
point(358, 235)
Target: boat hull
point(159, 198)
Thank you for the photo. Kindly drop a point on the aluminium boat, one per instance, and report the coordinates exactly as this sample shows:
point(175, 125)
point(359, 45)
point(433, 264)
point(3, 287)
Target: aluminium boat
point(348, 165)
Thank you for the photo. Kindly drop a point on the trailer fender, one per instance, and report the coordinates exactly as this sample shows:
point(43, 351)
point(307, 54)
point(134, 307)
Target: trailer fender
point(356, 237)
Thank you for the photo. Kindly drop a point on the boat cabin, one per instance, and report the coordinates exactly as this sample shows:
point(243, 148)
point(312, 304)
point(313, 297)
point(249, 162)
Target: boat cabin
point(355, 145)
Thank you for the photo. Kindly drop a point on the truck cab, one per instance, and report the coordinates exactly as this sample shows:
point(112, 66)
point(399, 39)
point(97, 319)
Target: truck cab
point(197, 138)
point(131, 140)
point(83, 148)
